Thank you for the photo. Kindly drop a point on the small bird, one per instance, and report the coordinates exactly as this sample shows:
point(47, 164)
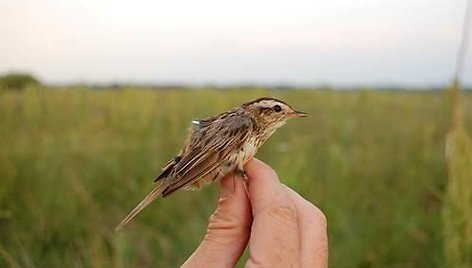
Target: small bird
point(217, 146)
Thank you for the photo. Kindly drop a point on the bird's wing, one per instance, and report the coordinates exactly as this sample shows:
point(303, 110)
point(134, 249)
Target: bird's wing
point(210, 152)
point(167, 169)
point(204, 154)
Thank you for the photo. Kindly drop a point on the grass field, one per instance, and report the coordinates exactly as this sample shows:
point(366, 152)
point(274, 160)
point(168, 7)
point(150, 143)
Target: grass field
point(74, 162)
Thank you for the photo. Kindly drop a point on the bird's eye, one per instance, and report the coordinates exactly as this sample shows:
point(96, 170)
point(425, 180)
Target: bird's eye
point(277, 108)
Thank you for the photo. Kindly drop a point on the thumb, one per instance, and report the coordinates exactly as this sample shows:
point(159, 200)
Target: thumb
point(228, 228)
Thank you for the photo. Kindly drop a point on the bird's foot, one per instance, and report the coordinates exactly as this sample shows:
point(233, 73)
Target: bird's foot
point(241, 173)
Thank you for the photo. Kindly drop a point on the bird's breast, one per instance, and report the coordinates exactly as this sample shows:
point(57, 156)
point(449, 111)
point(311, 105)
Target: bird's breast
point(245, 152)
point(250, 148)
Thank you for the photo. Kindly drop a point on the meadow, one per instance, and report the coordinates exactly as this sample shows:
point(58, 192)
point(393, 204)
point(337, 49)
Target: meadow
point(74, 162)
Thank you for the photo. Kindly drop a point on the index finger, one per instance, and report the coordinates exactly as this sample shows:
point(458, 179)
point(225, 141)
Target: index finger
point(265, 189)
point(275, 240)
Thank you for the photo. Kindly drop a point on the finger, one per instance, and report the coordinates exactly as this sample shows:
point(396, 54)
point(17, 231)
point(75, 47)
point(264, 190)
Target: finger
point(228, 228)
point(312, 231)
point(264, 186)
point(274, 238)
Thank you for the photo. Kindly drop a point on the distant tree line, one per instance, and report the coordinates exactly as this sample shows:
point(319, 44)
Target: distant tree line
point(18, 81)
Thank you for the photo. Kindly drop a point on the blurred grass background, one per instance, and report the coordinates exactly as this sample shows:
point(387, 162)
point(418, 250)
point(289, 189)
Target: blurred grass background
point(457, 208)
point(74, 162)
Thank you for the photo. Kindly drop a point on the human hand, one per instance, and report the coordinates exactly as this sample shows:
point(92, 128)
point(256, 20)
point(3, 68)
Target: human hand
point(282, 228)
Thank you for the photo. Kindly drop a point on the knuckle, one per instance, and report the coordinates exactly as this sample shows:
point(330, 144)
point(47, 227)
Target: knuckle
point(214, 217)
point(224, 221)
point(218, 219)
point(283, 211)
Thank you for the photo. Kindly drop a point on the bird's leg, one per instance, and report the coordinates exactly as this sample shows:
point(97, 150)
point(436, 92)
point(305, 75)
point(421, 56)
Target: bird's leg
point(242, 174)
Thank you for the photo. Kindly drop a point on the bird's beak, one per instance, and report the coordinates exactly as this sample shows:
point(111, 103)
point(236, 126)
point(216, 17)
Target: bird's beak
point(300, 114)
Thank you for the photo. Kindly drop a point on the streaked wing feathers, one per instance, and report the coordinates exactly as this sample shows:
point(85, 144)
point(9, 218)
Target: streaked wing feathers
point(203, 167)
point(209, 150)
point(168, 168)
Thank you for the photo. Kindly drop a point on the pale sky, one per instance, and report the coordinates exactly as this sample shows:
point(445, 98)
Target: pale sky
point(336, 42)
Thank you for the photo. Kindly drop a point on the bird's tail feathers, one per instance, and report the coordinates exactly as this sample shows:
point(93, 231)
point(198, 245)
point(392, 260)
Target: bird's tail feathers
point(155, 193)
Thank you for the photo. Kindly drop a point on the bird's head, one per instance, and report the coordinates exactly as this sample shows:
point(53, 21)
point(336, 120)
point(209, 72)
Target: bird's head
point(271, 113)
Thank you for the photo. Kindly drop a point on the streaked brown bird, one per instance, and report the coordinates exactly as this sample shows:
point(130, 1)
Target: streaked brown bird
point(217, 146)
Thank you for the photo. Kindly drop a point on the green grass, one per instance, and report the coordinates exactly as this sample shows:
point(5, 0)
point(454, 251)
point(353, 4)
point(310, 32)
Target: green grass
point(457, 208)
point(74, 162)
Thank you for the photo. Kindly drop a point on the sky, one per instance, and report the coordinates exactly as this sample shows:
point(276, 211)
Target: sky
point(410, 43)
